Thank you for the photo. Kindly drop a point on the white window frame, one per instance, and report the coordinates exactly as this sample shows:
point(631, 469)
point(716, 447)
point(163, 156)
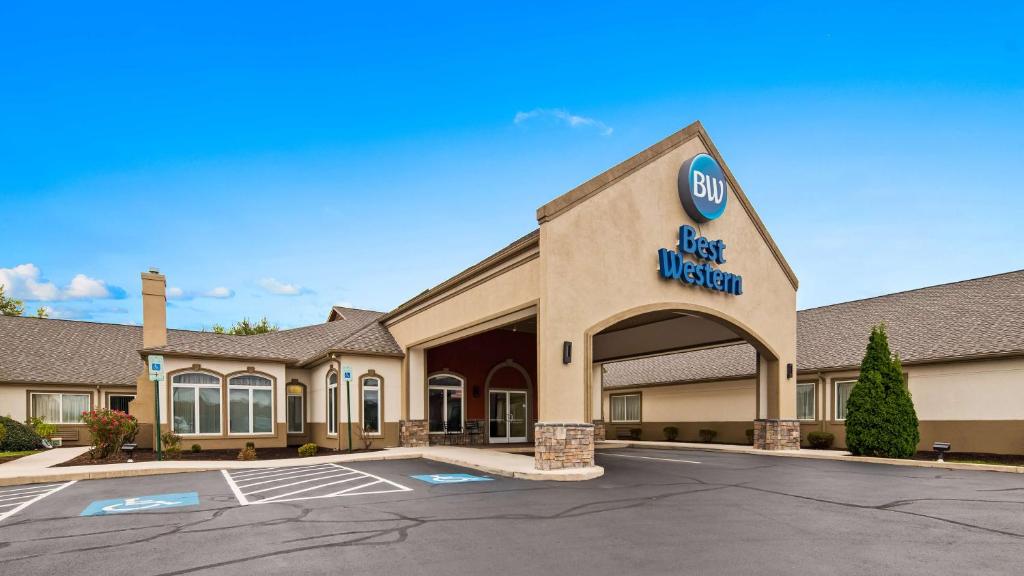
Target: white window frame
point(814, 404)
point(118, 395)
point(835, 397)
point(461, 387)
point(195, 407)
point(380, 404)
point(611, 407)
point(288, 409)
point(250, 389)
point(60, 403)
point(332, 401)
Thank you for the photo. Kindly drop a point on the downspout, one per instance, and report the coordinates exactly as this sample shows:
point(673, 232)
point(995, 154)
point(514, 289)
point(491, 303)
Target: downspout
point(337, 399)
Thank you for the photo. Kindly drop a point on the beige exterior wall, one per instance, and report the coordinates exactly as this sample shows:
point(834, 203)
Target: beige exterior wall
point(386, 368)
point(977, 405)
point(598, 265)
point(15, 403)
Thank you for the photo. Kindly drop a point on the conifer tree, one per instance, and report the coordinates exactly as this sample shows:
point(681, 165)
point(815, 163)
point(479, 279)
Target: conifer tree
point(881, 420)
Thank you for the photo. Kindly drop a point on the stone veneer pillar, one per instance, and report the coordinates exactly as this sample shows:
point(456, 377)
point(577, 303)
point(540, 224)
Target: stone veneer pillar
point(770, 434)
point(563, 445)
point(413, 433)
point(599, 431)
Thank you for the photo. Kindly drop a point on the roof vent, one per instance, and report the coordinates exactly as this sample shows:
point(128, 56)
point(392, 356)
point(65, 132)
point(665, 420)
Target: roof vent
point(154, 270)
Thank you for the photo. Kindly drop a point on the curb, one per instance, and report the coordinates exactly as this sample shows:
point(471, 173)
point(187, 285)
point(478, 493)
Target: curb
point(47, 475)
point(813, 455)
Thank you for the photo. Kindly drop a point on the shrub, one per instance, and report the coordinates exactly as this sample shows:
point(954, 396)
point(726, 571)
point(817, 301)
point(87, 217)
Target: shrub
point(707, 435)
point(196, 448)
point(43, 429)
point(3, 433)
point(880, 419)
point(18, 437)
point(308, 449)
point(247, 453)
point(671, 433)
point(750, 436)
point(109, 429)
point(171, 443)
point(821, 440)
point(634, 433)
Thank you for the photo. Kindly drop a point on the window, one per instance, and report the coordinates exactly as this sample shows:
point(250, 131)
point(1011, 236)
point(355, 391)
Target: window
point(332, 403)
point(625, 407)
point(58, 408)
point(296, 409)
point(195, 403)
point(119, 402)
point(843, 389)
point(444, 403)
point(805, 403)
point(250, 405)
point(371, 405)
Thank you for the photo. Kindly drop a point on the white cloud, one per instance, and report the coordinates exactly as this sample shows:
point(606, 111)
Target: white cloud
point(219, 292)
point(24, 281)
point(562, 115)
point(175, 293)
point(275, 286)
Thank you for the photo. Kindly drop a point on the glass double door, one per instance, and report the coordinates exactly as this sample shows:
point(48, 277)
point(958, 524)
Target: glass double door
point(507, 416)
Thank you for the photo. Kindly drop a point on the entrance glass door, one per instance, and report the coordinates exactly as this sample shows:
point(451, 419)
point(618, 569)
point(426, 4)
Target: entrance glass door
point(507, 416)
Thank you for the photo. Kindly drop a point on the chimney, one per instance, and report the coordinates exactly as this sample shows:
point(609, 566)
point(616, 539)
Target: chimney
point(154, 309)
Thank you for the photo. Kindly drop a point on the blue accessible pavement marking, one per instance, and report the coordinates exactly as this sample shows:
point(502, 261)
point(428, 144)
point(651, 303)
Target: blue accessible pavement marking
point(450, 478)
point(140, 503)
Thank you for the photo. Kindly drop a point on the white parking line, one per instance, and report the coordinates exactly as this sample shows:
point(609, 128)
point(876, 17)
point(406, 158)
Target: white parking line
point(318, 481)
point(21, 498)
point(650, 458)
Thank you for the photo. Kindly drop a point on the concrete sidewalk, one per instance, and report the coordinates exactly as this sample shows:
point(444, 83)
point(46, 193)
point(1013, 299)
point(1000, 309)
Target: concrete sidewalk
point(810, 454)
point(520, 466)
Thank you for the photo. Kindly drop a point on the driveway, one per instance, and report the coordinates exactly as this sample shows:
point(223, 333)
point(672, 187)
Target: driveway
point(654, 512)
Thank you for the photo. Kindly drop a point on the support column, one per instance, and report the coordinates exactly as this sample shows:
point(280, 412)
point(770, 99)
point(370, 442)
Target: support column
point(563, 445)
point(774, 434)
point(597, 401)
point(412, 429)
point(775, 428)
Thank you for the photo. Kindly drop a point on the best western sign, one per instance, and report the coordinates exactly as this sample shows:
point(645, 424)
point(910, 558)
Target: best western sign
point(703, 192)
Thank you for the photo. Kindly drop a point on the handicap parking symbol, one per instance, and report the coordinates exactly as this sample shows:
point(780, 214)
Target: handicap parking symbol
point(140, 503)
point(450, 478)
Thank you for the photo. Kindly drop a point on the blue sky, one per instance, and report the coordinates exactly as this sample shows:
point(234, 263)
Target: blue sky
point(274, 160)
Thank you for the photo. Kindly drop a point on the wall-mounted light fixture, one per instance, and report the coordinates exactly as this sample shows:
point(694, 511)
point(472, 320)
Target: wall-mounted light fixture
point(789, 370)
point(566, 352)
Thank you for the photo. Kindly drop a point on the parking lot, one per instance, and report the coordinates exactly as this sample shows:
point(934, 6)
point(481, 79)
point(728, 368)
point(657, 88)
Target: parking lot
point(654, 512)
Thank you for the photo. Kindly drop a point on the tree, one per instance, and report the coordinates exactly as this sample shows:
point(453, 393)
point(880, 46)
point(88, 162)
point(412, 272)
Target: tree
point(247, 328)
point(42, 312)
point(880, 419)
point(10, 306)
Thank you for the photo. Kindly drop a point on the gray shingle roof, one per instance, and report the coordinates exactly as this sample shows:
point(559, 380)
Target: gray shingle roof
point(354, 333)
point(69, 352)
point(971, 318)
point(72, 352)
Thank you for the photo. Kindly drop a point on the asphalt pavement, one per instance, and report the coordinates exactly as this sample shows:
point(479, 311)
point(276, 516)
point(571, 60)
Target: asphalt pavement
point(653, 512)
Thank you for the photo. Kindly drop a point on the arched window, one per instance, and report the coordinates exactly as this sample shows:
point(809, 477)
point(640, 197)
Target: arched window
point(332, 403)
point(195, 403)
point(250, 405)
point(444, 403)
point(371, 390)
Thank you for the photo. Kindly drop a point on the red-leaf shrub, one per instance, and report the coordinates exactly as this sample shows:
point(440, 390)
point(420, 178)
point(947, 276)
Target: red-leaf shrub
point(110, 429)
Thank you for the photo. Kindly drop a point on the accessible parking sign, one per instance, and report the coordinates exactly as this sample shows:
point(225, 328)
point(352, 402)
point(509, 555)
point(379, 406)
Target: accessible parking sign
point(141, 503)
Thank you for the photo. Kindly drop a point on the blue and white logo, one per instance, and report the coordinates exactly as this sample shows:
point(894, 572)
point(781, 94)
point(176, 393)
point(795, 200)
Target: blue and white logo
point(450, 478)
point(703, 189)
point(141, 503)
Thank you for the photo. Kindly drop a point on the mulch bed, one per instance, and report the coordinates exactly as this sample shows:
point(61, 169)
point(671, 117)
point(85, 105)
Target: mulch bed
point(974, 458)
point(207, 455)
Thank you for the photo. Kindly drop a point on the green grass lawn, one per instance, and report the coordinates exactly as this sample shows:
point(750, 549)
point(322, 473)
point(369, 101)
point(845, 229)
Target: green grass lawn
point(8, 456)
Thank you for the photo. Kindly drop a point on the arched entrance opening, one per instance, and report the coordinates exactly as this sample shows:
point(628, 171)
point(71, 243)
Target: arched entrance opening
point(510, 410)
point(680, 370)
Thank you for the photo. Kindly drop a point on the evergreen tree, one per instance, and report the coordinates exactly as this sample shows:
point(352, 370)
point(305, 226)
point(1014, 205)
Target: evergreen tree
point(880, 419)
point(246, 327)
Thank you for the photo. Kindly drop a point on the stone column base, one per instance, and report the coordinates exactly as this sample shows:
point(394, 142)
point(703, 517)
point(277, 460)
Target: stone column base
point(563, 445)
point(599, 431)
point(413, 433)
point(777, 434)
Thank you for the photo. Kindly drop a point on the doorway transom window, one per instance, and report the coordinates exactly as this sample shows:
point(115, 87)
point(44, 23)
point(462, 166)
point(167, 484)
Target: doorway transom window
point(444, 403)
